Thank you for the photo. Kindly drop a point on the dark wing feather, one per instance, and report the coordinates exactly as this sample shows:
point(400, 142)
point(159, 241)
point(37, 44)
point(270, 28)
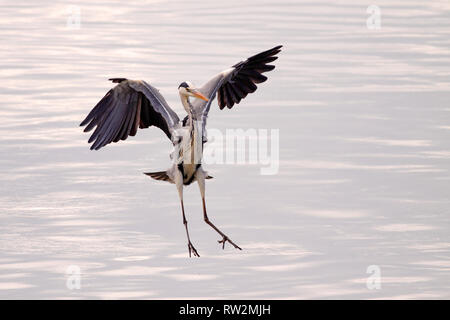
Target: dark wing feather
point(125, 108)
point(234, 84)
point(247, 74)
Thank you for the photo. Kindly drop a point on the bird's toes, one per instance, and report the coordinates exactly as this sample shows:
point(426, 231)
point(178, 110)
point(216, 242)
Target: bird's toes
point(192, 250)
point(223, 241)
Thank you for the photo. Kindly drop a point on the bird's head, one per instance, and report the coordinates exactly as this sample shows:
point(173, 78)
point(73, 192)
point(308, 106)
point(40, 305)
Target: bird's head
point(187, 89)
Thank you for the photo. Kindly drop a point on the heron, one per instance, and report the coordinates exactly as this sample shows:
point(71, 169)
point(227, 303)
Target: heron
point(134, 104)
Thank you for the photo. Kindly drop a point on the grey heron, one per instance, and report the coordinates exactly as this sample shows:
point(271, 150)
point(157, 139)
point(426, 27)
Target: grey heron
point(134, 104)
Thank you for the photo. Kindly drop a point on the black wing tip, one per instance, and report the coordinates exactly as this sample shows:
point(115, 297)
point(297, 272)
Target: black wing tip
point(117, 80)
point(93, 146)
point(274, 50)
point(99, 144)
point(246, 76)
point(85, 122)
point(263, 57)
point(96, 148)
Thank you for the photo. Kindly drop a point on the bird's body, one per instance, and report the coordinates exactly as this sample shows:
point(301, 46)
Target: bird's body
point(187, 155)
point(134, 104)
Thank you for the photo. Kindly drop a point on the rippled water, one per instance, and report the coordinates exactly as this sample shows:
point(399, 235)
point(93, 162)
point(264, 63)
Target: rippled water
point(364, 120)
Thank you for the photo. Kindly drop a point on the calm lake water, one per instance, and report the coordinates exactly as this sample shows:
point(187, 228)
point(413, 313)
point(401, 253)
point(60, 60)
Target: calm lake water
point(364, 124)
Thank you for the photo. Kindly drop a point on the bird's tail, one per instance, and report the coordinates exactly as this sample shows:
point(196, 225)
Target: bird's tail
point(160, 175)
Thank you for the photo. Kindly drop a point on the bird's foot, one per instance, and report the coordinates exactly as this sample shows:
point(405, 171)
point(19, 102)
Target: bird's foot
point(225, 239)
point(192, 250)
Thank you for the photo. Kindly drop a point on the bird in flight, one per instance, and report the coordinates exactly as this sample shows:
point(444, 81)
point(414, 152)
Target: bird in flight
point(134, 104)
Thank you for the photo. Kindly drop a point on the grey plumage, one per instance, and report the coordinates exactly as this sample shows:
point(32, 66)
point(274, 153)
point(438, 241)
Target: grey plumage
point(234, 84)
point(134, 104)
point(130, 105)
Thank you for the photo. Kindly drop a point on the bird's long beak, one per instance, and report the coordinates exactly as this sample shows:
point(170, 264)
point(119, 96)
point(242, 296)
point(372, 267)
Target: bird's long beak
point(198, 94)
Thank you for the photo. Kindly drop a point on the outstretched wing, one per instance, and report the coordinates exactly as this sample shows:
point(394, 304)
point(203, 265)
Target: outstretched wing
point(130, 105)
point(234, 84)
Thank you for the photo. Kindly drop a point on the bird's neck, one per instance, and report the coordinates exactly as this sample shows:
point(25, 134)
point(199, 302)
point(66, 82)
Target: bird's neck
point(189, 109)
point(186, 104)
point(195, 127)
point(193, 145)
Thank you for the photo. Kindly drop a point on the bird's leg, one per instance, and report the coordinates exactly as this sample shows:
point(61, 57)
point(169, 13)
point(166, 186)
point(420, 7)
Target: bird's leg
point(224, 236)
point(201, 184)
point(191, 248)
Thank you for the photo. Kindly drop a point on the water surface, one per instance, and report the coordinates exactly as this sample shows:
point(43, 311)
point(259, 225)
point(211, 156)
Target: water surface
point(364, 123)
